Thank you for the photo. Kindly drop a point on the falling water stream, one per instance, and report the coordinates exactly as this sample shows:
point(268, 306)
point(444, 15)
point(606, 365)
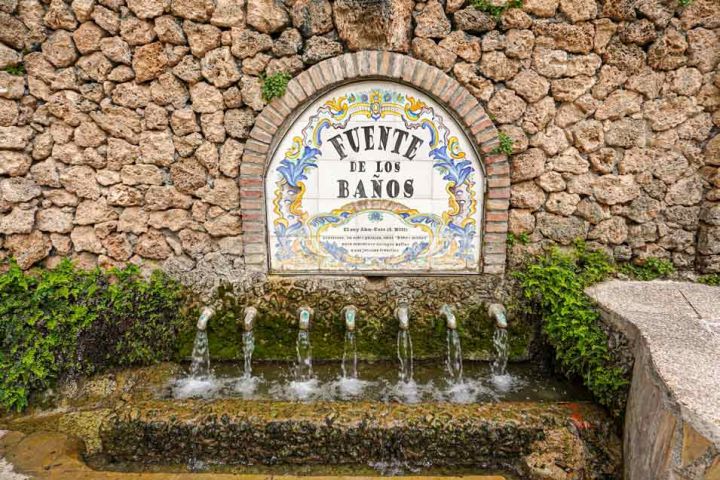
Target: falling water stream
point(200, 366)
point(500, 378)
point(453, 361)
point(303, 367)
point(304, 384)
point(248, 348)
point(405, 355)
point(349, 358)
point(500, 341)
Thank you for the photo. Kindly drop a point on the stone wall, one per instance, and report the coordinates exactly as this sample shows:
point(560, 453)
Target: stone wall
point(124, 138)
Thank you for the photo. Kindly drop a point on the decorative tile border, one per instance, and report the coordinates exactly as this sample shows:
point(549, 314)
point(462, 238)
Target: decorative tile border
point(364, 65)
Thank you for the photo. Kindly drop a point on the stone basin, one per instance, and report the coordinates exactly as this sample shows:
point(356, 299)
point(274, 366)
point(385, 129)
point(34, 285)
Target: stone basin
point(125, 427)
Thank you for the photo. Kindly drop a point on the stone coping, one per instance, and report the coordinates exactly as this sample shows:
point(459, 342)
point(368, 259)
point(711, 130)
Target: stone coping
point(678, 323)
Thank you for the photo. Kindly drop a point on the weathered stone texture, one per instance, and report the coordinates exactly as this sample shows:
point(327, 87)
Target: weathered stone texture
point(145, 106)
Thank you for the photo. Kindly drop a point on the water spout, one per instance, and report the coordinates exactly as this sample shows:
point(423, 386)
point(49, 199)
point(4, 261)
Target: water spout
point(249, 320)
point(404, 343)
point(303, 367)
point(205, 315)
point(349, 359)
point(500, 341)
point(449, 317)
point(248, 340)
point(498, 314)
point(401, 313)
point(453, 362)
point(200, 364)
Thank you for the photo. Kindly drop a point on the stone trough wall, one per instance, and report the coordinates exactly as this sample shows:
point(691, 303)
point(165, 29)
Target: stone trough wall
point(672, 334)
point(124, 138)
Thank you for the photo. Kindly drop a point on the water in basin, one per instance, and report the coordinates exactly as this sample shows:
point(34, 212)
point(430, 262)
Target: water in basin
point(378, 381)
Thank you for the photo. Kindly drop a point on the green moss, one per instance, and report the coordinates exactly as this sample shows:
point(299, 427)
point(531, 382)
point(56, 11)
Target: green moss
point(17, 70)
point(276, 329)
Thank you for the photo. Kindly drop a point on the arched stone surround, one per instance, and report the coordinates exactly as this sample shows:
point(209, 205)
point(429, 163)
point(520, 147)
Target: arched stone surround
point(277, 116)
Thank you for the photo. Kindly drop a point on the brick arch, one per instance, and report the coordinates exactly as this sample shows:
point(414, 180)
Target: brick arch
point(276, 118)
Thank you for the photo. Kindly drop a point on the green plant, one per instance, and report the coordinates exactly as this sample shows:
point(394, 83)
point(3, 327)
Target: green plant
point(553, 286)
point(489, 7)
point(274, 85)
point(506, 144)
point(522, 238)
point(67, 321)
point(18, 70)
point(685, 3)
point(651, 269)
point(710, 279)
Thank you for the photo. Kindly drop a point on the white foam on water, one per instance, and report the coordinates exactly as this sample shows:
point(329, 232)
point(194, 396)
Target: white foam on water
point(297, 390)
point(504, 383)
point(405, 392)
point(193, 387)
point(246, 386)
point(7, 471)
point(469, 391)
point(347, 388)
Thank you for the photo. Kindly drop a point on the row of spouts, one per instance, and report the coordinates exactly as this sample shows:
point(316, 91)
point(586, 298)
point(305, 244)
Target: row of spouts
point(495, 310)
point(201, 360)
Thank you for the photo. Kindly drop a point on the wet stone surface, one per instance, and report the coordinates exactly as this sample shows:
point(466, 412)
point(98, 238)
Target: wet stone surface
point(125, 426)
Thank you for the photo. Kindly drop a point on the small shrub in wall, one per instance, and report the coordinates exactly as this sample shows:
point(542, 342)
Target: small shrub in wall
point(491, 8)
point(712, 279)
point(275, 85)
point(17, 70)
point(651, 269)
point(506, 144)
point(68, 321)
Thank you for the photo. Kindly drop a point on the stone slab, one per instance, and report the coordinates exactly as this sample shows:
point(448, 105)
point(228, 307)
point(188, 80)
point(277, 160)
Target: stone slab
point(678, 324)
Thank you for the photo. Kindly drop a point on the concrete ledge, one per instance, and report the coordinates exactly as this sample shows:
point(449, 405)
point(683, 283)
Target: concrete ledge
point(672, 424)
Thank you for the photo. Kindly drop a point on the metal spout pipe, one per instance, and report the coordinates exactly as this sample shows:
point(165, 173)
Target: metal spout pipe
point(202, 322)
point(350, 312)
point(304, 314)
point(449, 317)
point(401, 313)
point(249, 320)
point(498, 313)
